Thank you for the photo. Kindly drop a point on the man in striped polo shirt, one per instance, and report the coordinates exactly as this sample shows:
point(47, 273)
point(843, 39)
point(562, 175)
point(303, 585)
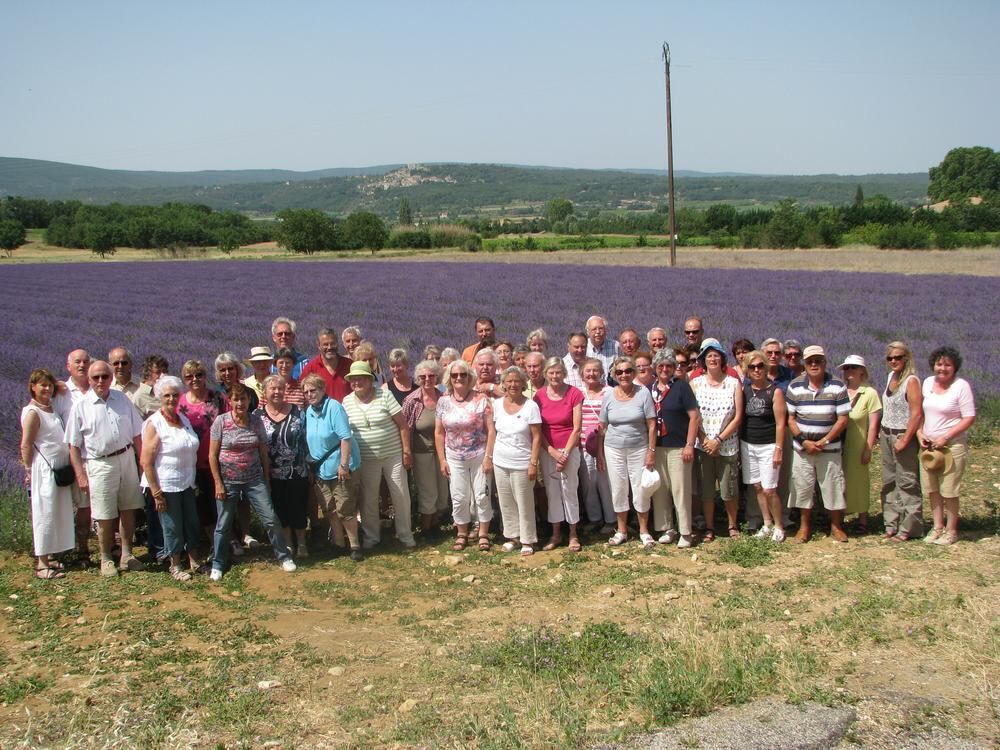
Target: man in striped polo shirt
point(818, 408)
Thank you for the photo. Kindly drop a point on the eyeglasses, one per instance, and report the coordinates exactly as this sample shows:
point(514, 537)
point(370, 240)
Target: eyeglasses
point(121, 363)
point(625, 371)
point(282, 334)
point(793, 355)
point(815, 361)
point(426, 377)
point(772, 353)
point(194, 376)
point(664, 366)
point(852, 367)
point(756, 366)
point(895, 357)
point(692, 333)
point(101, 376)
point(457, 375)
point(682, 363)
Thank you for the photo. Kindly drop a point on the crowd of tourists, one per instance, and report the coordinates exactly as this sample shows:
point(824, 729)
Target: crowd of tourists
point(537, 444)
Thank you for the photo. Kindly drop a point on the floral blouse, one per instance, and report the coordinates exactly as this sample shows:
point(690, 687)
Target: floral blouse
point(286, 444)
point(465, 426)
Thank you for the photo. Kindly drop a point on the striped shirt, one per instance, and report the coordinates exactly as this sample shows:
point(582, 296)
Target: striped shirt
point(816, 410)
point(373, 426)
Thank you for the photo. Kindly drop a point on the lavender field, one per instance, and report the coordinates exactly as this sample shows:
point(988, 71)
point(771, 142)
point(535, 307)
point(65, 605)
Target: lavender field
point(191, 309)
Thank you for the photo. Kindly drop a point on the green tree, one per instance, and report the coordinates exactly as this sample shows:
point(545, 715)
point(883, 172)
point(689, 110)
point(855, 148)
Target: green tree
point(558, 209)
point(965, 172)
point(859, 197)
point(306, 230)
point(786, 225)
point(228, 240)
point(405, 213)
point(721, 217)
point(12, 236)
point(99, 236)
point(364, 229)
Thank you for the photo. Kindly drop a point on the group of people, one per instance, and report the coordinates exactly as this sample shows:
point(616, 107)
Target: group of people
point(557, 442)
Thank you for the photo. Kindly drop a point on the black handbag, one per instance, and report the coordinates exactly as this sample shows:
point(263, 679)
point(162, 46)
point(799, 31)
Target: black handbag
point(64, 475)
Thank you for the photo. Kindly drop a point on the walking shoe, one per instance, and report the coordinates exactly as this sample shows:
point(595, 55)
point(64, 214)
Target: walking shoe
point(669, 536)
point(684, 542)
point(302, 552)
point(237, 548)
point(933, 535)
point(778, 535)
point(357, 555)
point(764, 532)
point(288, 565)
point(250, 543)
point(946, 538)
point(131, 563)
point(647, 540)
point(108, 568)
point(215, 575)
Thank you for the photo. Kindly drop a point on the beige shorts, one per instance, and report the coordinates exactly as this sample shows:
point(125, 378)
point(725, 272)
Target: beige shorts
point(114, 486)
point(946, 483)
point(340, 498)
point(723, 470)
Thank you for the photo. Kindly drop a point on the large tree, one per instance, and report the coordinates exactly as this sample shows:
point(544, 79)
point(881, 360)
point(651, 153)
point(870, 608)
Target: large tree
point(306, 230)
point(558, 209)
point(12, 236)
point(966, 172)
point(364, 229)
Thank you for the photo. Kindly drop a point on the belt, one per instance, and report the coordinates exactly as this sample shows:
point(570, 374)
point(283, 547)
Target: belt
point(116, 453)
point(890, 431)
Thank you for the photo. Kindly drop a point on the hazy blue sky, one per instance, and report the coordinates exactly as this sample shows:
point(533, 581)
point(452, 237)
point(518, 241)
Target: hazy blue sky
point(773, 87)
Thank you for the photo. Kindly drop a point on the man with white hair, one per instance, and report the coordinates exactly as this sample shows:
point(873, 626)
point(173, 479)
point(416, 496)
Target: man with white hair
point(121, 361)
point(104, 433)
point(534, 366)
point(656, 338)
point(77, 365)
point(283, 336)
point(599, 346)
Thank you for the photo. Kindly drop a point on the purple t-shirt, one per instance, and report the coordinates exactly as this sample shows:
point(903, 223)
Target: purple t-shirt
point(239, 454)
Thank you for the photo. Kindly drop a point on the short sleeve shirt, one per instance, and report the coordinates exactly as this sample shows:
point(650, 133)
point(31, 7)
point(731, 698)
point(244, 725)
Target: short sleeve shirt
point(512, 449)
point(465, 428)
point(239, 456)
point(672, 413)
point(557, 415)
point(626, 420)
point(286, 442)
point(373, 425)
point(942, 411)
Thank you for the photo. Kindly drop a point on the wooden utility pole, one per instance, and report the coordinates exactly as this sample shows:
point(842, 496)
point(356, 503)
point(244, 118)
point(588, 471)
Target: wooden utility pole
point(670, 161)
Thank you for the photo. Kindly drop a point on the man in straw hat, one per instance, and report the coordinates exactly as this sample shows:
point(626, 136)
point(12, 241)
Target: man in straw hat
point(260, 360)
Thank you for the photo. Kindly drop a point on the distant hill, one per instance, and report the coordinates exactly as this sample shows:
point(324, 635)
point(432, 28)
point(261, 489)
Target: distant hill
point(440, 190)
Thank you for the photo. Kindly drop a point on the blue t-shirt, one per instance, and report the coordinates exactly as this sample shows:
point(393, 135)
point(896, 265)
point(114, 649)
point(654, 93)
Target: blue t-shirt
point(324, 430)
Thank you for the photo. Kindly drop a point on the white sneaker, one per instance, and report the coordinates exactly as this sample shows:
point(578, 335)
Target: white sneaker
point(288, 565)
point(647, 540)
point(215, 575)
point(669, 536)
point(778, 535)
point(763, 532)
point(237, 548)
point(250, 543)
point(684, 542)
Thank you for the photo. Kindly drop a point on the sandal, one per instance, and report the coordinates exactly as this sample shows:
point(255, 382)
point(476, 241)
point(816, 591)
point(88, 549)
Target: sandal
point(460, 541)
point(179, 574)
point(617, 539)
point(551, 545)
point(484, 544)
point(946, 538)
point(574, 545)
point(48, 574)
point(734, 532)
point(647, 540)
point(526, 550)
point(201, 569)
point(902, 536)
point(509, 546)
point(708, 536)
point(56, 565)
point(889, 534)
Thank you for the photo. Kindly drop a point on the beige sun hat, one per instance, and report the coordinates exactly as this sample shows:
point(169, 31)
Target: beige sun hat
point(260, 354)
point(937, 459)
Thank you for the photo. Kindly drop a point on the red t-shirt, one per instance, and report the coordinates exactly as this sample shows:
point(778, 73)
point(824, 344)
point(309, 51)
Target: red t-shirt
point(557, 416)
point(336, 384)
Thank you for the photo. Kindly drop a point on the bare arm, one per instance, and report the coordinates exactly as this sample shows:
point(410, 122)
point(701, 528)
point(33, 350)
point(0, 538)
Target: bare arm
point(29, 432)
point(439, 446)
point(536, 449)
point(914, 399)
point(780, 424)
point(150, 447)
point(650, 443)
point(76, 459)
point(694, 424)
point(404, 438)
point(213, 461)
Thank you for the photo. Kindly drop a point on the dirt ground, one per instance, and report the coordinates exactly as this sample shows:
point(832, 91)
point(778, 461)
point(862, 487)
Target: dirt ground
point(971, 261)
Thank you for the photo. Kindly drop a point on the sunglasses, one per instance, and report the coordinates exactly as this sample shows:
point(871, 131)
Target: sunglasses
point(682, 363)
point(793, 355)
point(195, 375)
point(852, 367)
point(121, 363)
point(691, 333)
point(815, 361)
point(101, 376)
point(756, 366)
point(457, 375)
point(426, 377)
point(895, 357)
point(626, 371)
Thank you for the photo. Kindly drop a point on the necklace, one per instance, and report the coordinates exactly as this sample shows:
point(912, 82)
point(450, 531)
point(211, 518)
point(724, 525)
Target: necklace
point(44, 407)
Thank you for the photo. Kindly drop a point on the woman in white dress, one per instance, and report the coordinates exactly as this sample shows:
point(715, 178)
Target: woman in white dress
point(43, 450)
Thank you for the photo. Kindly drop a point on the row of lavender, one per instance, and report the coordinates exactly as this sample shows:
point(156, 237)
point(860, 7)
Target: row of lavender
point(197, 309)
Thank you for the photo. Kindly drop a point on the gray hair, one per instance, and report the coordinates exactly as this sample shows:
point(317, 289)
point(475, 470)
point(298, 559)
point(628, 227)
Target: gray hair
point(596, 317)
point(489, 352)
point(327, 332)
point(430, 366)
point(664, 355)
point(590, 362)
point(534, 354)
point(538, 333)
point(792, 344)
point(166, 382)
point(514, 370)
point(622, 360)
point(227, 358)
point(555, 362)
point(128, 354)
point(356, 330)
point(458, 365)
point(282, 321)
point(450, 354)
point(274, 379)
point(398, 355)
point(768, 342)
point(432, 351)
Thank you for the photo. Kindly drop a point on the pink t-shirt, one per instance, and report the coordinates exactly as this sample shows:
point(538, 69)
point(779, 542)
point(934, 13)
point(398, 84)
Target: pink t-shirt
point(942, 411)
point(557, 416)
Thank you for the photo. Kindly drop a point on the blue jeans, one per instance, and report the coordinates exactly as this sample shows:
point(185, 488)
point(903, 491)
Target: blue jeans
point(181, 530)
point(154, 530)
point(260, 501)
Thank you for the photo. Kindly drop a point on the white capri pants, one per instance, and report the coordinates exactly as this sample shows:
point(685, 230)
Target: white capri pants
point(758, 465)
point(596, 490)
point(432, 487)
point(625, 467)
point(517, 503)
point(561, 487)
point(470, 488)
point(371, 473)
point(672, 499)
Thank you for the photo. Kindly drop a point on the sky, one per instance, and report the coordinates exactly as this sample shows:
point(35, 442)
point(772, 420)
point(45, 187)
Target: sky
point(773, 87)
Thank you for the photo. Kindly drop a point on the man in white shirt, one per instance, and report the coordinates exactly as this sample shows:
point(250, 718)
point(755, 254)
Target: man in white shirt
point(77, 364)
point(105, 427)
point(576, 353)
point(121, 362)
point(599, 346)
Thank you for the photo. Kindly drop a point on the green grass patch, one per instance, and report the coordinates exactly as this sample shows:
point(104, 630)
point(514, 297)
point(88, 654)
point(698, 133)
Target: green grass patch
point(16, 688)
point(747, 551)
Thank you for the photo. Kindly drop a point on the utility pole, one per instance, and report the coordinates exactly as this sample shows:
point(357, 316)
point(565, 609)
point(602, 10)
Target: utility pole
point(670, 161)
